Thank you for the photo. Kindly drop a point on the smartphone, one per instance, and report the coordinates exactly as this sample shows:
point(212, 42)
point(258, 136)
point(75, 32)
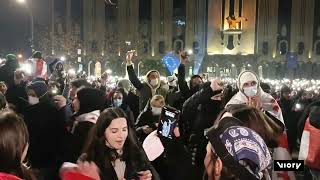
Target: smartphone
point(168, 121)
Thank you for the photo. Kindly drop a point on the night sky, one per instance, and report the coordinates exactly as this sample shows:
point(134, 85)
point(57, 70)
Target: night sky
point(15, 23)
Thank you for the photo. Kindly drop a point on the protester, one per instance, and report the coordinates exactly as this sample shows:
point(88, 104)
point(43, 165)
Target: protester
point(251, 93)
point(113, 148)
point(198, 114)
point(118, 101)
point(46, 130)
point(246, 162)
point(13, 147)
point(152, 85)
point(149, 118)
point(3, 87)
point(87, 105)
point(195, 81)
point(174, 97)
point(75, 85)
point(130, 96)
point(8, 69)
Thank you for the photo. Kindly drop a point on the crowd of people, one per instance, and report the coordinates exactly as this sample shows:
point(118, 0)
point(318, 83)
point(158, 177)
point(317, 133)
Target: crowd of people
point(64, 127)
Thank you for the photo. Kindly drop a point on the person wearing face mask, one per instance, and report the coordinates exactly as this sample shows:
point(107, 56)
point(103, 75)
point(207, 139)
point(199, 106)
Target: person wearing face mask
point(130, 96)
point(148, 119)
point(251, 93)
point(174, 97)
point(152, 85)
point(46, 129)
point(118, 101)
point(113, 147)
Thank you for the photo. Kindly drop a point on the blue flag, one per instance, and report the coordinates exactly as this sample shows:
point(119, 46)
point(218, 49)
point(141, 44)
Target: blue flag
point(171, 62)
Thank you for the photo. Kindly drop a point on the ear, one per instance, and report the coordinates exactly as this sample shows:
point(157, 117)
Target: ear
point(218, 167)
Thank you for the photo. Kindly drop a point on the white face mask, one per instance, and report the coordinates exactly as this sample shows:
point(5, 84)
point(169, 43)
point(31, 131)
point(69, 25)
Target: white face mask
point(156, 111)
point(250, 91)
point(154, 82)
point(33, 100)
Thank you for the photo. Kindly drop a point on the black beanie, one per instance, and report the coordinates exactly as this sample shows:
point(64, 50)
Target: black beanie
point(39, 87)
point(90, 99)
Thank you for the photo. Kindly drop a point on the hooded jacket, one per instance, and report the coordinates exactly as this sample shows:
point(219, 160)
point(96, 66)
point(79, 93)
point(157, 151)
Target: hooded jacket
point(270, 105)
point(145, 90)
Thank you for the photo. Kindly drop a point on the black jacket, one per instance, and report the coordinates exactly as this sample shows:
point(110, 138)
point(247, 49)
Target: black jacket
point(175, 163)
point(199, 111)
point(136, 160)
point(183, 85)
point(46, 131)
point(145, 118)
point(145, 93)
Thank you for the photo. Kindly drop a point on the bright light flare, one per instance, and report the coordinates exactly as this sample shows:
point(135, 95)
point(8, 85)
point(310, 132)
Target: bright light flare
point(109, 71)
point(71, 72)
point(21, 1)
point(26, 68)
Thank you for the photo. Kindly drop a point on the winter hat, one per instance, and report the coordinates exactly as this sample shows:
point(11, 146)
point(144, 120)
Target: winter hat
point(11, 57)
point(246, 76)
point(90, 99)
point(244, 144)
point(11, 61)
point(37, 55)
point(39, 87)
point(125, 84)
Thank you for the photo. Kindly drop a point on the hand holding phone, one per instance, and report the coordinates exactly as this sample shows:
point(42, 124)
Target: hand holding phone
point(168, 122)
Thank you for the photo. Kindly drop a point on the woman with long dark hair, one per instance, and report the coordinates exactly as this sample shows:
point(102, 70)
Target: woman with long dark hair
point(14, 143)
point(113, 146)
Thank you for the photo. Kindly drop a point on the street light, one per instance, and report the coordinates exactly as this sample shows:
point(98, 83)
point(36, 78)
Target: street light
point(62, 58)
point(21, 1)
point(31, 19)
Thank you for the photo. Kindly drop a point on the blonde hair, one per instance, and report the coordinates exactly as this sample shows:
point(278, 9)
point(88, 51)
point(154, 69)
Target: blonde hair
point(158, 98)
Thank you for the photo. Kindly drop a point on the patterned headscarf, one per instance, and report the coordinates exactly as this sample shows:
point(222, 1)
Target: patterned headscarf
point(245, 144)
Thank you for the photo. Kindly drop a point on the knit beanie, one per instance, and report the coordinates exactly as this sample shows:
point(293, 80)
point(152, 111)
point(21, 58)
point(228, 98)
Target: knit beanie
point(90, 99)
point(39, 87)
point(11, 61)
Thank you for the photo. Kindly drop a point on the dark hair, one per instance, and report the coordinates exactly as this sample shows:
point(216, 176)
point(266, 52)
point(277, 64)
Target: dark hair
point(226, 174)
point(97, 151)
point(267, 128)
point(14, 138)
point(90, 99)
point(79, 83)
